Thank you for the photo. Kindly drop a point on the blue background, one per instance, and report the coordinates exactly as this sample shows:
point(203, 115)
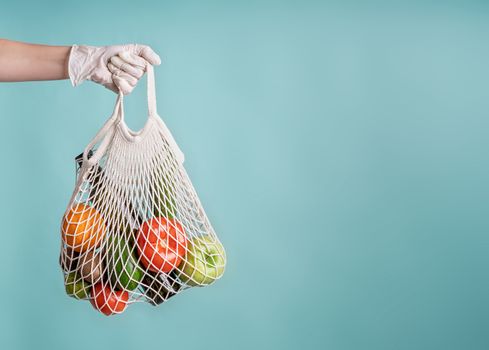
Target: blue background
point(340, 150)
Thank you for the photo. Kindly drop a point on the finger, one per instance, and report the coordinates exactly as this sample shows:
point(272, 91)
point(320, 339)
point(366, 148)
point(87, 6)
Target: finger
point(112, 86)
point(126, 67)
point(123, 85)
point(148, 54)
point(104, 78)
point(117, 72)
point(133, 59)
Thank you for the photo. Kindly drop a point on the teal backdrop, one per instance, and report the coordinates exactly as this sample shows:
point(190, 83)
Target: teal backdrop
point(340, 149)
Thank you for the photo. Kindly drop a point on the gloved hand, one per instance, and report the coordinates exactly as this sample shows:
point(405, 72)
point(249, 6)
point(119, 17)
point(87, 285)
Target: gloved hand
point(115, 67)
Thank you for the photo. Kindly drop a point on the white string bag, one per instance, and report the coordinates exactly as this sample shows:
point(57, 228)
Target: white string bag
point(134, 229)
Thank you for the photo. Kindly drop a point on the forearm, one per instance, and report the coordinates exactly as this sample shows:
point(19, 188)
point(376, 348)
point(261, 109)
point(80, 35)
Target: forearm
point(25, 62)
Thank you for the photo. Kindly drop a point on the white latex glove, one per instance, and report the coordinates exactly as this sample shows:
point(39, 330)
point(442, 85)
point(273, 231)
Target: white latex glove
point(115, 67)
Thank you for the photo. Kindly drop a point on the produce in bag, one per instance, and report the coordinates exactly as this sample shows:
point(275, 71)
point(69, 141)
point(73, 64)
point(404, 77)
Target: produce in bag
point(134, 228)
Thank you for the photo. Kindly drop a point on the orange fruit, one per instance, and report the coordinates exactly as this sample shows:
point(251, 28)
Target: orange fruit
point(83, 228)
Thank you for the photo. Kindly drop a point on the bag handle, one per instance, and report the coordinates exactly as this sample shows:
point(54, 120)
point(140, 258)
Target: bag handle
point(150, 81)
point(180, 157)
point(151, 95)
point(102, 133)
point(118, 118)
point(152, 114)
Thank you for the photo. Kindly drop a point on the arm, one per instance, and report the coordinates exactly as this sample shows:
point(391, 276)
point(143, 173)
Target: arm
point(24, 62)
point(117, 67)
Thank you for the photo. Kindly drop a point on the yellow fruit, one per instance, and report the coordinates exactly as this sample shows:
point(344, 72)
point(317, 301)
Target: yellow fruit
point(83, 228)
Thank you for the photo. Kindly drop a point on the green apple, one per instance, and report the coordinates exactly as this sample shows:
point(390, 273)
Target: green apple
point(204, 262)
point(76, 286)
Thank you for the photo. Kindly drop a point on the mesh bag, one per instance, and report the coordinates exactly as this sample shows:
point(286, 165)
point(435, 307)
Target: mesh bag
point(134, 229)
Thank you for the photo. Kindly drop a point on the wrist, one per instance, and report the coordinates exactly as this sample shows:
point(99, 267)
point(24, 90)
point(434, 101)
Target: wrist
point(79, 67)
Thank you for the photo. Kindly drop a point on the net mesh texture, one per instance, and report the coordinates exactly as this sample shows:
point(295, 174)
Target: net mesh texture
point(135, 229)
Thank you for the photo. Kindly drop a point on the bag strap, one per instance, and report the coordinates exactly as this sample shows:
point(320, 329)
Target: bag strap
point(118, 118)
point(150, 79)
point(154, 114)
point(102, 133)
point(151, 94)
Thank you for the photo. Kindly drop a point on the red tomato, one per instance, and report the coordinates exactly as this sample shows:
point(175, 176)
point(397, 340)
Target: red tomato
point(161, 244)
point(108, 301)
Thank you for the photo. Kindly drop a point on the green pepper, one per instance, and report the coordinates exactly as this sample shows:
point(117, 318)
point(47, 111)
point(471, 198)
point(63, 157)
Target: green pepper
point(125, 273)
point(163, 199)
point(76, 287)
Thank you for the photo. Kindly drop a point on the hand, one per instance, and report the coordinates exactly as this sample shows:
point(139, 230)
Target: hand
point(115, 67)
